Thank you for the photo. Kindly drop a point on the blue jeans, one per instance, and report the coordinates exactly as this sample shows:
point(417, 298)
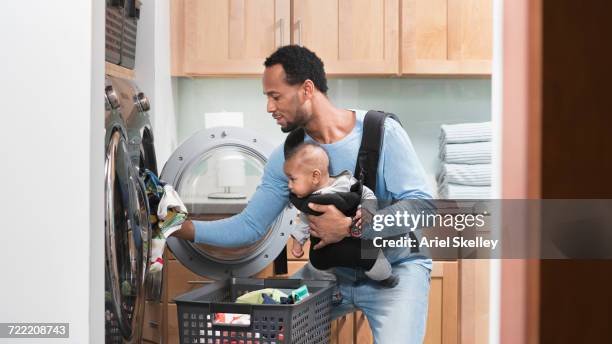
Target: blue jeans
point(396, 315)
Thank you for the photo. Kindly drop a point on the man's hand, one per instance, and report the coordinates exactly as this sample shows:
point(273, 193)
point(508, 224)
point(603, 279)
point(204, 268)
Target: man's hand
point(331, 226)
point(187, 231)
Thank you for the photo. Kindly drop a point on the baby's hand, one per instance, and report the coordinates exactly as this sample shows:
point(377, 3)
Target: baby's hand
point(297, 250)
point(358, 218)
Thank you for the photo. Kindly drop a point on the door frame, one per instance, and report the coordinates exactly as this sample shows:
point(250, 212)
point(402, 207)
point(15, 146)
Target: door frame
point(521, 162)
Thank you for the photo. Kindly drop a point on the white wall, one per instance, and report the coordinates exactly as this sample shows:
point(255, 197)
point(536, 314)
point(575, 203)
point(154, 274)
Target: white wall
point(51, 165)
point(153, 74)
point(421, 104)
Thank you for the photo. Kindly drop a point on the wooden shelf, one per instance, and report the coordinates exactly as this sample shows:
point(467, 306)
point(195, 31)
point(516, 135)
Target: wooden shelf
point(120, 72)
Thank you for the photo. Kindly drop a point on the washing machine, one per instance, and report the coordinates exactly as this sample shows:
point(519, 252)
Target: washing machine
point(215, 172)
point(127, 227)
point(134, 107)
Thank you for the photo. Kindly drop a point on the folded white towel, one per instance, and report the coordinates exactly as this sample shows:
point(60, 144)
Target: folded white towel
point(465, 132)
point(456, 191)
point(466, 153)
point(170, 200)
point(475, 175)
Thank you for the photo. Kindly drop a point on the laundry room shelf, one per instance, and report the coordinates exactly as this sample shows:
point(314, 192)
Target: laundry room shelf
point(118, 71)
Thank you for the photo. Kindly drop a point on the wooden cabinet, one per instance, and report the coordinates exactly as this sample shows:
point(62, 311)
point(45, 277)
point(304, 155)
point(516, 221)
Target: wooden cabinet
point(152, 322)
point(447, 37)
point(226, 37)
point(352, 328)
point(173, 328)
point(443, 314)
point(353, 37)
point(181, 280)
point(356, 37)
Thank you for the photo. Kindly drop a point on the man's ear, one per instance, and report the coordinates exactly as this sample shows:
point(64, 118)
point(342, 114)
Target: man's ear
point(308, 89)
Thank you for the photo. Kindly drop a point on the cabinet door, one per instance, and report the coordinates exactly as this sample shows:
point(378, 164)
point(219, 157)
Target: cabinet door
point(447, 37)
point(152, 323)
point(443, 314)
point(356, 37)
point(228, 37)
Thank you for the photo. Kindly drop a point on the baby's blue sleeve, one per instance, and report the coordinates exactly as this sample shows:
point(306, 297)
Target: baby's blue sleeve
point(263, 208)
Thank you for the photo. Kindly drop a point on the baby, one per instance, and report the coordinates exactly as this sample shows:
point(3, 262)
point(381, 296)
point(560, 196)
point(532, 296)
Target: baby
point(307, 168)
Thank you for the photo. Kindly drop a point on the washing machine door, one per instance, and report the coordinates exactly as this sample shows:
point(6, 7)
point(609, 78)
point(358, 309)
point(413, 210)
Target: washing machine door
point(140, 132)
point(146, 149)
point(125, 241)
point(132, 105)
point(215, 172)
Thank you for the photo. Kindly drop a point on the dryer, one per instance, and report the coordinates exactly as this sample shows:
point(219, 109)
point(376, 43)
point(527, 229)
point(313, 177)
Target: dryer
point(200, 170)
point(127, 228)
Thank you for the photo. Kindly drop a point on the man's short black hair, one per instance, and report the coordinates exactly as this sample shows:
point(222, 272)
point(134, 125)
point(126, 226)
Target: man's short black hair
point(300, 64)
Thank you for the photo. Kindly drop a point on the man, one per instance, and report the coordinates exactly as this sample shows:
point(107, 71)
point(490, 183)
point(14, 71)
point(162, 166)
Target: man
point(296, 87)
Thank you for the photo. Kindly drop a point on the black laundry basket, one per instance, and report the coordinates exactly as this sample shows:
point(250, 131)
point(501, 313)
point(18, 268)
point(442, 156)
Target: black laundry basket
point(306, 322)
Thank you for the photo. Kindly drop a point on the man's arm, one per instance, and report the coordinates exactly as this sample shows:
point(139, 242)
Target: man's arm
point(404, 178)
point(251, 224)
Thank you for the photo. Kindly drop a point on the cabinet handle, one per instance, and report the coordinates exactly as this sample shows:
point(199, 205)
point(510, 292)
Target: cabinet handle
point(282, 32)
point(153, 324)
point(198, 282)
point(299, 27)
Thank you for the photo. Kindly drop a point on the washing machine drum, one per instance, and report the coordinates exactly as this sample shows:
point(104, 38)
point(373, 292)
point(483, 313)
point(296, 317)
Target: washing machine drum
point(215, 172)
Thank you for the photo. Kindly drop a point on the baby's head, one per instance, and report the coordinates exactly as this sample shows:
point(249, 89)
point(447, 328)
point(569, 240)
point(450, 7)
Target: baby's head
point(307, 168)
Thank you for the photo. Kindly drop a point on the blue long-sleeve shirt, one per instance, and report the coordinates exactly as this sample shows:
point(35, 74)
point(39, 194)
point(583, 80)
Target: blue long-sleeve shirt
point(400, 177)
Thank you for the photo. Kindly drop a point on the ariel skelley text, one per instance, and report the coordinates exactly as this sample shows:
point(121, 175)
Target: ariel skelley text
point(447, 242)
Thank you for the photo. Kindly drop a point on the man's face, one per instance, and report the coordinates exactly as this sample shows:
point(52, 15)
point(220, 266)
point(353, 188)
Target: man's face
point(284, 102)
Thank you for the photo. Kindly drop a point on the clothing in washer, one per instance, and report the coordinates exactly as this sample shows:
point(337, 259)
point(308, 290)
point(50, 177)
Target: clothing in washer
point(168, 214)
point(171, 211)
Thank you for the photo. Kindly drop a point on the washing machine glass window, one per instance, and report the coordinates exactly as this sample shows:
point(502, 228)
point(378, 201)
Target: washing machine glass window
point(124, 241)
point(220, 181)
point(147, 151)
point(141, 224)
